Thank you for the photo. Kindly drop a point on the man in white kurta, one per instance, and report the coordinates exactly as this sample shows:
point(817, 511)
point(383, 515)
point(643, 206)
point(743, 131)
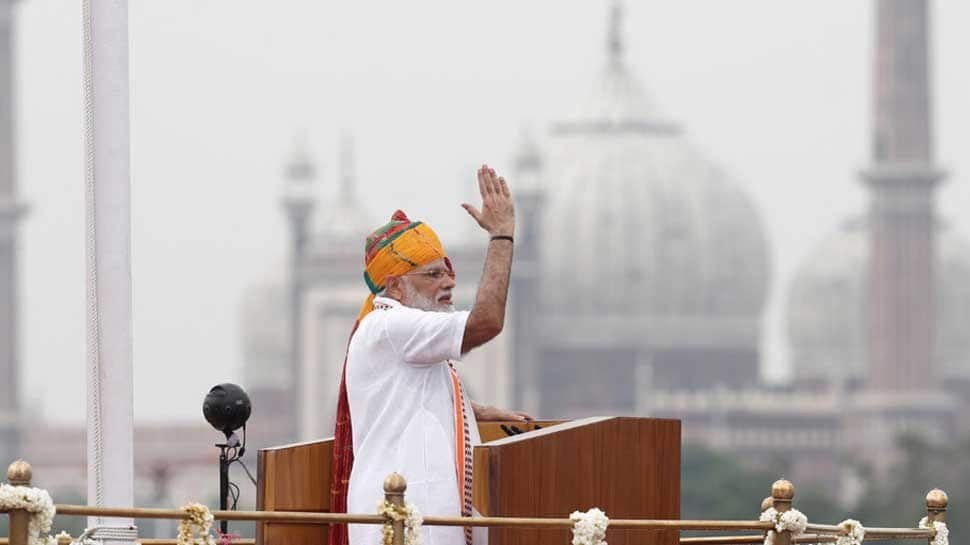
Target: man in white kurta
point(401, 406)
point(401, 397)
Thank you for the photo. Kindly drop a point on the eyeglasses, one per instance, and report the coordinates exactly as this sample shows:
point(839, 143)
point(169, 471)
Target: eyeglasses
point(435, 274)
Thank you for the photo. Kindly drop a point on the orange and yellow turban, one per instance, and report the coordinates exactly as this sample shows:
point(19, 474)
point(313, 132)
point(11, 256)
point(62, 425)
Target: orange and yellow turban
point(395, 249)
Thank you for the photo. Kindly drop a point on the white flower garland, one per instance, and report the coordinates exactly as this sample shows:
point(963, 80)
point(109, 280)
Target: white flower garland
point(589, 528)
point(854, 530)
point(40, 506)
point(409, 515)
point(792, 520)
point(942, 532)
point(199, 523)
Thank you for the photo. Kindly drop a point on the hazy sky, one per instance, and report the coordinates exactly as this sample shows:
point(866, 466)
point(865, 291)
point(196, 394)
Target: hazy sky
point(775, 91)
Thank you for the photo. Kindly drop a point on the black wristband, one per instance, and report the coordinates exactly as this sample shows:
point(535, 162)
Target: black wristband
point(503, 237)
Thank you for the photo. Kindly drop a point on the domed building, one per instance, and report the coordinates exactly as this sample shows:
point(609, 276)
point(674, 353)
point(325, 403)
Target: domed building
point(827, 302)
point(653, 261)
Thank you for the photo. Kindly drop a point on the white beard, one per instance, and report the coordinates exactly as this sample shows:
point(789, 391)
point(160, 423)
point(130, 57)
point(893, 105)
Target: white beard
point(416, 300)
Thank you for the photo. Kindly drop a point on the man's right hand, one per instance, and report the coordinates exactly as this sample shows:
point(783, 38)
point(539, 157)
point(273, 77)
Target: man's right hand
point(497, 215)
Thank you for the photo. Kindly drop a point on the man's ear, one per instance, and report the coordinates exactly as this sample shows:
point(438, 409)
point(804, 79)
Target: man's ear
point(392, 287)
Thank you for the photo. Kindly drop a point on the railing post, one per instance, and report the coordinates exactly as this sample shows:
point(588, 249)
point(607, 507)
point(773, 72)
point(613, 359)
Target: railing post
point(936, 502)
point(766, 504)
point(782, 492)
point(394, 487)
point(19, 473)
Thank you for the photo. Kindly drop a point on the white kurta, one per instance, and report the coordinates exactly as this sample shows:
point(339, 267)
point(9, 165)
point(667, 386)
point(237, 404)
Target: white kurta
point(402, 411)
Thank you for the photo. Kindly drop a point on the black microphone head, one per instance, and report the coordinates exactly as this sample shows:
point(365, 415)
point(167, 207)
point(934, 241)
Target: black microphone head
point(226, 407)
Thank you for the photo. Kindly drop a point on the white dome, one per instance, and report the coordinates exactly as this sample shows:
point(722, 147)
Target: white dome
point(638, 222)
point(827, 301)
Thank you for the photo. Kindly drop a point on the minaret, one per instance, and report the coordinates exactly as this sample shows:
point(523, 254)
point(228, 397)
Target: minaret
point(902, 179)
point(525, 280)
point(298, 205)
point(11, 212)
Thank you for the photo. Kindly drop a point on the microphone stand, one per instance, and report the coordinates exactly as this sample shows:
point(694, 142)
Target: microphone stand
point(223, 484)
point(232, 442)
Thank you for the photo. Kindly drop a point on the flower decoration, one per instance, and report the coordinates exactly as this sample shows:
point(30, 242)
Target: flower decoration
point(589, 528)
point(38, 503)
point(942, 532)
point(855, 532)
point(409, 515)
point(228, 538)
point(792, 521)
point(196, 529)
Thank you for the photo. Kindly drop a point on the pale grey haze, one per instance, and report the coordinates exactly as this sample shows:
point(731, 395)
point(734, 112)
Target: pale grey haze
point(776, 91)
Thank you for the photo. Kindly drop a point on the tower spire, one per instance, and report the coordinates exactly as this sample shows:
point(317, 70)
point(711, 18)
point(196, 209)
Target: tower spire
point(900, 314)
point(902, 121)
point(614, 39)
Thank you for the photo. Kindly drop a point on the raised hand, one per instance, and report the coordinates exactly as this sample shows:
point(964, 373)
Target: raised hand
point(497, 215)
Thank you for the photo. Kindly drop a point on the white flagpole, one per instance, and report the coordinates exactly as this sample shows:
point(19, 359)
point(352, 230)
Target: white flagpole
point(108, 223)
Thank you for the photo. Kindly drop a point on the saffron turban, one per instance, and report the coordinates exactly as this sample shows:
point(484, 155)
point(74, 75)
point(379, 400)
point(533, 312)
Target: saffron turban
point(395, 249)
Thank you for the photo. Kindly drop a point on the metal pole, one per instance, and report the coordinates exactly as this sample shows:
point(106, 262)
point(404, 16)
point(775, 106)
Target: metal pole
point(223, 486)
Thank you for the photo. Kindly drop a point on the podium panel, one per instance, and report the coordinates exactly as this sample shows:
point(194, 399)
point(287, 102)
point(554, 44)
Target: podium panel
point(628, 467)
point(294, 478)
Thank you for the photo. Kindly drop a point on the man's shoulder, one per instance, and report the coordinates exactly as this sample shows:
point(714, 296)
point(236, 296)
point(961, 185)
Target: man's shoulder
point(389, 311)
point(373, 327)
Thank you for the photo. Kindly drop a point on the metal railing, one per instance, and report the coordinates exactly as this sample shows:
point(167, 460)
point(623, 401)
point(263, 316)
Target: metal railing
point(782, 494)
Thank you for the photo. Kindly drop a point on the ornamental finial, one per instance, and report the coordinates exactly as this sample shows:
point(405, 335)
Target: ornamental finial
point(615, 36)
point(19, 473)
point(936, 500)
point(782, 490)
point(395, 484)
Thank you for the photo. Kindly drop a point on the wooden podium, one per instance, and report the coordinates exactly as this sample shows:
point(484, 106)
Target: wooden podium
point(628, 467)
